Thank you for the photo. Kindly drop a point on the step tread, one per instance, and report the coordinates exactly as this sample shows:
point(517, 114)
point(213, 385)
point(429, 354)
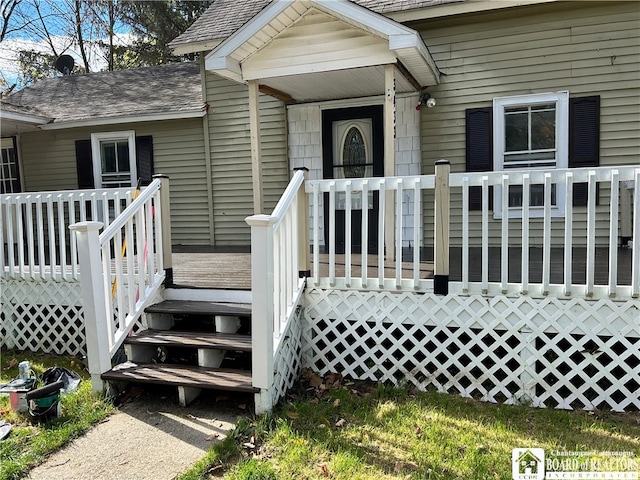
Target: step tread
point(183, 375)
point(190, 307)
point(214, 340)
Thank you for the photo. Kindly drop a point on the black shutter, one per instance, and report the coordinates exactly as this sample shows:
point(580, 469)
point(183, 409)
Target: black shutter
point(584, 141)
point(84, 164)
point(479, 149)
point(144, 159)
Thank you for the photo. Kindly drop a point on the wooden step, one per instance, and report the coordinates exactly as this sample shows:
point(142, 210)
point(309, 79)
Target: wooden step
point(182, 376)
point(172, 338)
point(188, 307)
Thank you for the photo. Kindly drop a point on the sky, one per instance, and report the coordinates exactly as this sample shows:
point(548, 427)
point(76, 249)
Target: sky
point(30, 38)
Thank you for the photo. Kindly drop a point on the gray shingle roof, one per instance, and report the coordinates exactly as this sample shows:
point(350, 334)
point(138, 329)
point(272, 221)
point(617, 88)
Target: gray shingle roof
point(224, 17)
point(170, 88)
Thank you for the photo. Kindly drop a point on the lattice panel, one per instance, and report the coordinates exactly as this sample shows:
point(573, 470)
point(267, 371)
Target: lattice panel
point(287, 361)
point(575, 354)
point(43, 316)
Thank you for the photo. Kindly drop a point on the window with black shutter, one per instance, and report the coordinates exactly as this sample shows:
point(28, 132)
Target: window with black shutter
point(124, 160)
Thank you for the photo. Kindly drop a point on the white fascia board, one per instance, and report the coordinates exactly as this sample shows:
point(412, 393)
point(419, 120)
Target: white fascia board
point(24, 117)
point(447, 10)
point(196, 47)
point(413, 42)
point(126, 119)
point(363, 17)
point(225, 66)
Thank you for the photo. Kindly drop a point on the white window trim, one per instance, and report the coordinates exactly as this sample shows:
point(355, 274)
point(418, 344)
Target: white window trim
point(96, 138)
point(561, 99)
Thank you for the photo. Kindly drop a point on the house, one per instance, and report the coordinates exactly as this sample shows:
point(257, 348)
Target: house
point(533, 105)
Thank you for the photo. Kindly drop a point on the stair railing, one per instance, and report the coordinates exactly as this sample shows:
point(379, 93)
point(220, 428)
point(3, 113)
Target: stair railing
point(121, 270)
point(279, 267)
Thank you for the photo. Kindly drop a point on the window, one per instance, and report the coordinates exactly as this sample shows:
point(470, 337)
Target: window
point(9, 173)
point(531, 132)
point(115, 155)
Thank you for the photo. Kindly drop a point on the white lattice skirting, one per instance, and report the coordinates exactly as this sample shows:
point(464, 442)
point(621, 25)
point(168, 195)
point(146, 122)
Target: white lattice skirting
point(42, 316)
point(287, 359)
point(570, 354)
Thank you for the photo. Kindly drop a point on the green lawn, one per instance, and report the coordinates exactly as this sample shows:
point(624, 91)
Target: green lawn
point(359, 431)
point(30, 442)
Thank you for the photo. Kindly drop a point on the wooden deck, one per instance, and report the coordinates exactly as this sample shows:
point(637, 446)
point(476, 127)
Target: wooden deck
point(206, 268)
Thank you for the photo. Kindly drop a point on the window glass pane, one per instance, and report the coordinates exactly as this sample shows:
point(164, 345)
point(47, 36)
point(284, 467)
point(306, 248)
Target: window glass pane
point(123, 157)
point(354, 154)
point(516, 132)
point(536, 195)
point(543, 129)
point(108, 154)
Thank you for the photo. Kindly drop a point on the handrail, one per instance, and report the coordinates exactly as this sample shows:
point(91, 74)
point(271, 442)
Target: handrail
point(128, 212)
point(287, 198)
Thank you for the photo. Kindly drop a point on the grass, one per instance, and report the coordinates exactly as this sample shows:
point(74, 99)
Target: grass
point(358, 431)
point(30, 442)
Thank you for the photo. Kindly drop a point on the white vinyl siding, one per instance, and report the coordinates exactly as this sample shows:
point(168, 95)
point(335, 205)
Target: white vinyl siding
point(586, 48)
point(178, 151)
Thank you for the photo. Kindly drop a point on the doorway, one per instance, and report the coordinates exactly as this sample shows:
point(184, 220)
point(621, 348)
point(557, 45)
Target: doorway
point(353, 147)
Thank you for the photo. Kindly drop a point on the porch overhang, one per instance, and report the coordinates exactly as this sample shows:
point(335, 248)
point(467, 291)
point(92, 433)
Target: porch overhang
point(313, 50)
point(12, 123)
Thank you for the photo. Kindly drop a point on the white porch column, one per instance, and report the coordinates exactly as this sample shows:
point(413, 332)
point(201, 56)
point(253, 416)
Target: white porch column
point(256, 148)
point(93, 300)
point(390, 156)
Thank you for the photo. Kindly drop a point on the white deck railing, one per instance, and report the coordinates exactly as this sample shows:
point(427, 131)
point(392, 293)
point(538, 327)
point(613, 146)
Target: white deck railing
point(121, 270)
point(279, 248)
point(36, 242)
point(480, 230)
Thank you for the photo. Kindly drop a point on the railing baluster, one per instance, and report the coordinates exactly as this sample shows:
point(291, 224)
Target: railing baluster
point(485, 234)
point(10, 241)
point(40, 228)
point(546, 243)
point(347, 234)
point(30, 236)
point(149, 244)
point(398, 255)
point(417, 222)
point(568, 234)
point(591, 232)
point(51, 237)
point(332, 234)
point(524, 274)
point(365, 232)
point(635, 254)
point(72, 238)
point(20, 228)
point(504, 245)
point(140, 238)
point(613, 233)
point(129, 238)
point(381, 228)
point(316, 233)
point(465, 235)
point(62, 241)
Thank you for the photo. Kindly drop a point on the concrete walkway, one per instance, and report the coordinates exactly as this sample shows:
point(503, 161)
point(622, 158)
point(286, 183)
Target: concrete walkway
point(150, 438)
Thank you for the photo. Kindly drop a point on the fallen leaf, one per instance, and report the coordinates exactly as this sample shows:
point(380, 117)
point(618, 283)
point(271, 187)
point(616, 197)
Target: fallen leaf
point(336, 402)
point(418, 431)
point(212, 437)
point(291, 414)
point(341, 423)
point(249, 445)
point(12, 363)
point(333, 378)
point(314, 401)
point(190, 416)
point(397, 468)
point(315, 380)
point(323, 468)
point(242, 406)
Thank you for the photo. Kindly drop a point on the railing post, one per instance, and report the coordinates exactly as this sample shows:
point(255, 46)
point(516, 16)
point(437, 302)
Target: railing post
point(441, 227)
point(262, 290)
point(165, 207)
point(93, 300)
point(304, 263)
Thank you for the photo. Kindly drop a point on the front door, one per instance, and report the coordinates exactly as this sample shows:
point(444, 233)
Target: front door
point(353, 146)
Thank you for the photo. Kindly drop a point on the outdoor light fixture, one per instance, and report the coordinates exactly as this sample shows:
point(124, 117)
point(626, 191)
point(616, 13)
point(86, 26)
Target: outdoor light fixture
point(426, 99)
